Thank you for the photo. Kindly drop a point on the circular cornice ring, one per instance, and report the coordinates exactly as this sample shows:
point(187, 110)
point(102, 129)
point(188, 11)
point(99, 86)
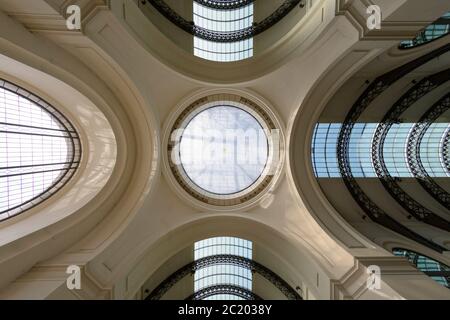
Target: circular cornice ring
point(179, 180)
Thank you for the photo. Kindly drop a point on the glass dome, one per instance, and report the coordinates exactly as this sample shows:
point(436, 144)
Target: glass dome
point(224, 150)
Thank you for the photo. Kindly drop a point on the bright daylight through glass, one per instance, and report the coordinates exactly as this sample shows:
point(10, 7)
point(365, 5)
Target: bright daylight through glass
point(38, 153)
point(224, 150)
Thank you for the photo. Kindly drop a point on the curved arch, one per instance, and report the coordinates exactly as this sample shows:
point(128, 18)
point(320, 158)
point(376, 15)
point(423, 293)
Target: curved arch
point(296, 260)
point(219, 36)
point(190, 268)
point(113, 125)
point(224, 289)
point(413, 151)
point(376, 88)
point(413, 95)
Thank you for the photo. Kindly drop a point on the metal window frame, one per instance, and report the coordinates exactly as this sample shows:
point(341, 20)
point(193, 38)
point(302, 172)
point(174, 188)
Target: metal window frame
point(71, 137)
point(375, 89)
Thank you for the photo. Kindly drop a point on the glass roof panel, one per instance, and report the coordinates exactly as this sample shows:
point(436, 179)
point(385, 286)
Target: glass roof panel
point(224, 150)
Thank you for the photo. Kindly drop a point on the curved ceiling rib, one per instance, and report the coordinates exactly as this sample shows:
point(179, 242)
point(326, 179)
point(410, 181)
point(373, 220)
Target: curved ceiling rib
point(376, 88)
point(224, 4)
point(226, 289)
point(413, 151)
point(413, 95)
point(224, 36)
point(208, 261)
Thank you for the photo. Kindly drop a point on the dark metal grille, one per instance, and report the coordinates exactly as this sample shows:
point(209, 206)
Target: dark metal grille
point(413, 151)
point(445, 150)
point(40, 150)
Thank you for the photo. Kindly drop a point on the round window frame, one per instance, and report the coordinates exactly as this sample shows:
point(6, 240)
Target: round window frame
point(75, 146)
point(258, 108)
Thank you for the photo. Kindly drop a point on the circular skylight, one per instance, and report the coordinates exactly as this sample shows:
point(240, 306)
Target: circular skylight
point(224, 150)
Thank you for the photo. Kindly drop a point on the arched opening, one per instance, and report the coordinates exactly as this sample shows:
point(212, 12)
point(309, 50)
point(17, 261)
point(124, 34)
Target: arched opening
point(223, 268)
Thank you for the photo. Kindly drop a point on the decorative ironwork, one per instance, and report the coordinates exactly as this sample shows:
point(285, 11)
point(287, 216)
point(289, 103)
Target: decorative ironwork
point(392, 117)
point(224, 289)
point(413, 151)
point(376, 88)
point(225, 4)
point(21, 162)
point(445, 150)
point(224, 36)
point(190, 268)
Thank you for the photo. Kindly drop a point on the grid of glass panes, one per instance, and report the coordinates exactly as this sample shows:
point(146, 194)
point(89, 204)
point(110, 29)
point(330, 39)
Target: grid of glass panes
point(324, 150)
point(223, 21)
point(430, 33)
point(430, 150)
point(228, 274)
point(36, 151)
point(425, 265)
point(224, 150)
point(394, 150)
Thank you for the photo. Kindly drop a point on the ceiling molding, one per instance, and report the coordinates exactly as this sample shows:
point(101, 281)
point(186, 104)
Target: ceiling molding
point(55, 19)
point(355, 11)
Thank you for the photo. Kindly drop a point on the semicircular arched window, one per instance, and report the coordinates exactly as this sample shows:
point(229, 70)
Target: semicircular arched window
point(40, 150)
point(436, 30)
point(438, 271)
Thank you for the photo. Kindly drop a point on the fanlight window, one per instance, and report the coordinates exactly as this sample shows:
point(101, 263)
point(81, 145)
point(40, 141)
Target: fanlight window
point(39, 150)
point(438, 29)
point(436, 270)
